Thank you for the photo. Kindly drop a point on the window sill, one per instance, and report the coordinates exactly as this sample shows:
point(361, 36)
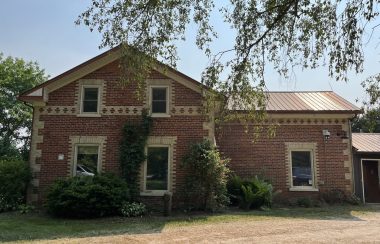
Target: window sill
point(153, 193)
point(160, 115)
point(89, 115)
point(303, 189)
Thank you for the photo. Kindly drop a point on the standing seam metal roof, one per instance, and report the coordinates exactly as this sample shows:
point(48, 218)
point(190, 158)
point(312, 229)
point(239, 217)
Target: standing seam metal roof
point(321, 101)
point(366, 142)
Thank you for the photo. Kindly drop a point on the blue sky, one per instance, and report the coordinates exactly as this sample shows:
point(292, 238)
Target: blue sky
point(44, 31)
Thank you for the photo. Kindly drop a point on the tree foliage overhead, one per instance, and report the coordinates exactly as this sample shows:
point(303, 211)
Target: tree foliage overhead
point(16, 76)
point(280, 33)
point(369, 121)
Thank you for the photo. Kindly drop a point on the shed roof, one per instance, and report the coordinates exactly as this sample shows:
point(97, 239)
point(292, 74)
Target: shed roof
point(309, 102)
point(366, 142)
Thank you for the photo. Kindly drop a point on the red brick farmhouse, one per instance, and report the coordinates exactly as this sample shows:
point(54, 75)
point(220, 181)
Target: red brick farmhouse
point(79, 115)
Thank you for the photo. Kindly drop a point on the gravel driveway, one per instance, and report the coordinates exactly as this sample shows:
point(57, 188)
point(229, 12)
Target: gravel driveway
point(361, 227)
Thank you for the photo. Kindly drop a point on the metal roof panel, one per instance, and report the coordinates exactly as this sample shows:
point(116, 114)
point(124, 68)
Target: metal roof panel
point(366, 142)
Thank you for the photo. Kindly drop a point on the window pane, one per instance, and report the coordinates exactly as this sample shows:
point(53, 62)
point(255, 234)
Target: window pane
point(159, 94)
point(90, 93)
point(90, 100)
point(90, 106)
point(87, 160)
point(159, 100)
point(301, 168)
point(159, 107)
point(88, 149)
point(157, 168)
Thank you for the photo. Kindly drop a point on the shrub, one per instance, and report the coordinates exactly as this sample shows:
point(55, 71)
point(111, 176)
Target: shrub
point(25, 208)
point(253, 193)
point(206, 177)
point(337, 196)
point(14, 179)
point(133, 209)
point(247, 198)
point(334, 196)
point(234, 189)
point(87, 196)
point(305, 202)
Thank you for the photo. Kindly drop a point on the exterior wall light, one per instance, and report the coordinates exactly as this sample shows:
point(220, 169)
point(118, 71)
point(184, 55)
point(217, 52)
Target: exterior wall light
point(326, 134)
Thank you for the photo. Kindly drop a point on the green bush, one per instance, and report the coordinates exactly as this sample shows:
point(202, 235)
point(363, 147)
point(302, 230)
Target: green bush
point(87, 197)
point(334, 196)
point(247, 198)
point(234, 189)
point(206, 177)
point(25, 208)
point(14, 179)
point(254, 193)
point(305, 202)
point(338, 196)
point(133, 209)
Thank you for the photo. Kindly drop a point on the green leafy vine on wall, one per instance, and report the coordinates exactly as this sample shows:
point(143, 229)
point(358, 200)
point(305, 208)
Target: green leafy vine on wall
point(132, 150)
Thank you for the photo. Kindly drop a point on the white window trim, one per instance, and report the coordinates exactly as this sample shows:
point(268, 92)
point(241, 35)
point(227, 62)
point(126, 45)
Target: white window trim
point(146, 192)
point(310, 149)
point(89, 114)
point(98, 166)
point(157, 115)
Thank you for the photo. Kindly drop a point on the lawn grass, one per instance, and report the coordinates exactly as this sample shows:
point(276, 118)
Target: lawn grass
point(37, 226)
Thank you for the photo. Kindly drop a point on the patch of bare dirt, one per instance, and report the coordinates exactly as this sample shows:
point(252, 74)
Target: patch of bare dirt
point(364, 228)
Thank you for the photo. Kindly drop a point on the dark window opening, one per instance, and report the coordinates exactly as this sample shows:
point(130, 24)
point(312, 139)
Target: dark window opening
point(90, 99)
point(302, 172)
point(157, 168)
point(159, 100)
point(87, 160)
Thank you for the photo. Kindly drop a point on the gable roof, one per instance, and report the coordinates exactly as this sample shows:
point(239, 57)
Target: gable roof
point(95, 63)
point(308, 102)
point(366, 142)
point(278, 102)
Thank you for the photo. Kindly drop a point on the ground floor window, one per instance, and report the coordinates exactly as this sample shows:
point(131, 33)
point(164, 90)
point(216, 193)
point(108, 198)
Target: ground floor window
point(87, 158)
point(302, 169)
point(157, 165)
point(302, 166)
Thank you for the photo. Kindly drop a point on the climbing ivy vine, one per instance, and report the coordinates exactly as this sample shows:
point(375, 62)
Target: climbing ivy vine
point(132, 150)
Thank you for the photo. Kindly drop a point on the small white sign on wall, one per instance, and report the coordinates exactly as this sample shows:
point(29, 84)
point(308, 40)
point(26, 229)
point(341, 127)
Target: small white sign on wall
point(61, 156)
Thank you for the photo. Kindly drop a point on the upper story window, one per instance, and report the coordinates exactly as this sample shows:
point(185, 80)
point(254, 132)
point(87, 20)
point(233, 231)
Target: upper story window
point(159, 100)
point(90, 99)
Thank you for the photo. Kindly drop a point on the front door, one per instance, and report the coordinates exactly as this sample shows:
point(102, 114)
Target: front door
point(371, 181)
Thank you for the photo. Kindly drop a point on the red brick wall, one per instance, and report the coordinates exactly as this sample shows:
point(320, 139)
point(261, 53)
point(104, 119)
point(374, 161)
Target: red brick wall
point(64, 96)
point(58, 128)
point(267, 156)
point(185, 96)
